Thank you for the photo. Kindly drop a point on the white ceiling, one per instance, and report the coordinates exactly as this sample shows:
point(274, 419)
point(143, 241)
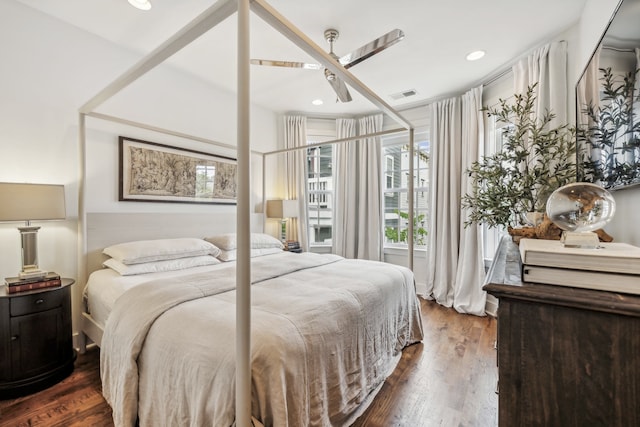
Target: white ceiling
point(430, 59)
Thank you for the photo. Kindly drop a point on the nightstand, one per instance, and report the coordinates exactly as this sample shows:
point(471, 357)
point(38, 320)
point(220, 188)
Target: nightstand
point(36, 347)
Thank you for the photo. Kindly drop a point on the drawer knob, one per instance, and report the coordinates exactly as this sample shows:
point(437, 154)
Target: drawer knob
point(39, 301)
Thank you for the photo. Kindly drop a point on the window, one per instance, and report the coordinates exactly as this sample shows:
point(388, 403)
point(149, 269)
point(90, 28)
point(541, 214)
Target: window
point(495, 139)
point(396, 175)
point(388, 173)
point(320, 190)
point(205, 175)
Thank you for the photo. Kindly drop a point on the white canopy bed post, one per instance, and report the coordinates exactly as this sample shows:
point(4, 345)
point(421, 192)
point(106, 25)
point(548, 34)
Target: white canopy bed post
point(82, 220)
point(410, 198)
point(243, 229)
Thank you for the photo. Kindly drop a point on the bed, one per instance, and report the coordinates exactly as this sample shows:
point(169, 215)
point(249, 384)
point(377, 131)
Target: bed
point(326, 332)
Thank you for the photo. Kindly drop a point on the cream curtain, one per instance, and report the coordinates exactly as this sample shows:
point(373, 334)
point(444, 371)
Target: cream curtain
point(546, 66)
point(295, 135)
point(345, 178)
point(358, 205)
point(468, 295)
point(455, 260)
point(370, 240)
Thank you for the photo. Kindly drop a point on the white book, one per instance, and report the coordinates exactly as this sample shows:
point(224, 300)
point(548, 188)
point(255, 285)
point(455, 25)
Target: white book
point(613, 257)
point(613, 282)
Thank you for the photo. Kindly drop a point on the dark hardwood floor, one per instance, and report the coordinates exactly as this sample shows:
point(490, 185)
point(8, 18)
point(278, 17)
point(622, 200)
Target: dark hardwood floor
point(447, 380)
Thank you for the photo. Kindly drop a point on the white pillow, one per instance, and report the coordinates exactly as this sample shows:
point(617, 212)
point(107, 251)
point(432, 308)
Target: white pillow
point(160, 266)
point(228, 241)
point(159, 250)
point(232, 254)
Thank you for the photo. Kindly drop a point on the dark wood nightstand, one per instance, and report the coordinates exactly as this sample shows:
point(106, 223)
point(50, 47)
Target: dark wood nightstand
point(36, 344)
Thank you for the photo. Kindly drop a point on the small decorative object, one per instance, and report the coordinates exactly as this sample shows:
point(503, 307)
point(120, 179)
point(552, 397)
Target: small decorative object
point(536, 158)
point(579, 209)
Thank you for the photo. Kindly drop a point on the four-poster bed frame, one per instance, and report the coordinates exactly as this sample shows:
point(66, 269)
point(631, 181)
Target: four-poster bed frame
point(211, 17)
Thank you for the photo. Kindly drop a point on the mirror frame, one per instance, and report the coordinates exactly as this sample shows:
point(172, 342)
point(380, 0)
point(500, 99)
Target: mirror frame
point(608, 130)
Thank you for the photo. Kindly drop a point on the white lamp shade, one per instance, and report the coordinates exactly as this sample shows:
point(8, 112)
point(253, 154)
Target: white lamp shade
point(282, 208)
point(31, 202)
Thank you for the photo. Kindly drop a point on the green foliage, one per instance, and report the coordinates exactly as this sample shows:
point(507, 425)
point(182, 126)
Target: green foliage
point(613, 133)
point(419, 232)
point(534, 161)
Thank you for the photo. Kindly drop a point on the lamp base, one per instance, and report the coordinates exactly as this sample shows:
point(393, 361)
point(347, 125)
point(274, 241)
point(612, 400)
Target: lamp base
point(580, 239)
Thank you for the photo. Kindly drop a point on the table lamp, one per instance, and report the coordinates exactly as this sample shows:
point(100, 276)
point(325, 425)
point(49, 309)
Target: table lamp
point(31, 202)
point(282, 210)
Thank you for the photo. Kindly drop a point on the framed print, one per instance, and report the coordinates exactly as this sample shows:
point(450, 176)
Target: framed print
point(151, 172)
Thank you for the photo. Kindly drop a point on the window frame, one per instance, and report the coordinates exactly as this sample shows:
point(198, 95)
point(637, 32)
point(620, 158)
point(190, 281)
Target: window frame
point(315, 136)
point(421, 192)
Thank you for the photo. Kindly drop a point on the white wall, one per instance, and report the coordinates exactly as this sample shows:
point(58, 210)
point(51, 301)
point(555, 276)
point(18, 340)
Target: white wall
point(49, 69)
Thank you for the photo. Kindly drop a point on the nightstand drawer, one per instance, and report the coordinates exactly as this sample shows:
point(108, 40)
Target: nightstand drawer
point(36, 303)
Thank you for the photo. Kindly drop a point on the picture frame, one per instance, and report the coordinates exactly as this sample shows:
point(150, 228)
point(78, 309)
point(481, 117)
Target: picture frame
point(152, 172)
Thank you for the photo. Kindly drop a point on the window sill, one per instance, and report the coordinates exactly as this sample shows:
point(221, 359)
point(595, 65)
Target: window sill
point(401, 250)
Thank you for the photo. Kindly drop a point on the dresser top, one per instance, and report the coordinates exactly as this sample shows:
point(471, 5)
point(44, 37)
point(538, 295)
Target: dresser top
point(504, 280)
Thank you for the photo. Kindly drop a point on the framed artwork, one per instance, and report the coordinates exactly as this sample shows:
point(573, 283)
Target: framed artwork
point(151, 172)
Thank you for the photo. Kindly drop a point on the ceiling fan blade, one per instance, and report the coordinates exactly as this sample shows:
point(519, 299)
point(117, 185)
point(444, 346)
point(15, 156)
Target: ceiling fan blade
point(340, 88)
point(289, 64)
point(371, 48)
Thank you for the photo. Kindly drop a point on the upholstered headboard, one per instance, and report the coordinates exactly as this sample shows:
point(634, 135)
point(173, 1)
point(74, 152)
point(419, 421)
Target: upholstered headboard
point(104, 229)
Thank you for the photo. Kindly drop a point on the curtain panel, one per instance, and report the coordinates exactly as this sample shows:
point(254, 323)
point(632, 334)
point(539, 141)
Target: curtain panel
point(455, 260)
point(358, 187)
point(345, 178)
point(295, 135)
point(546, 66)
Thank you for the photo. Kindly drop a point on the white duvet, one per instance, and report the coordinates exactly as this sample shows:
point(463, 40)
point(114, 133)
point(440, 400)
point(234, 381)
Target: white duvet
point(326, 331)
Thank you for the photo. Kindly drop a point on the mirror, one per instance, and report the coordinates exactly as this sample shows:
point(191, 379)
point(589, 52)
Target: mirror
point(608, 104)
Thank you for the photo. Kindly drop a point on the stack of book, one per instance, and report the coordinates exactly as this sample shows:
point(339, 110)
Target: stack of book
point(612, 267)
point(292, 246)
point(16, 284)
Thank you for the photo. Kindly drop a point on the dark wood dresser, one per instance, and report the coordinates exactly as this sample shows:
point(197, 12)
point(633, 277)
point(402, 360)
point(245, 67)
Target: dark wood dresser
point(36, 349)
point(566, 356)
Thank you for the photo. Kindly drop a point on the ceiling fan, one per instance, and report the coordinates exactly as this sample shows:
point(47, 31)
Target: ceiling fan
point(347, 61)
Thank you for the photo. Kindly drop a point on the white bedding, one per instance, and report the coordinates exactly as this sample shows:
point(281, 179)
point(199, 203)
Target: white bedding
point(105, 286)
point(326, 332)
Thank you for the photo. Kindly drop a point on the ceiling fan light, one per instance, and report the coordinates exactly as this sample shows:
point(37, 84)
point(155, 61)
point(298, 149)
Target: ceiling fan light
point(140, 4)
point(475, 55)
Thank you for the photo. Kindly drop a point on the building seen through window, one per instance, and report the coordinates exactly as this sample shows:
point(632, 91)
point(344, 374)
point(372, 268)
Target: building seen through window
point(396, 181)
point(320, 193)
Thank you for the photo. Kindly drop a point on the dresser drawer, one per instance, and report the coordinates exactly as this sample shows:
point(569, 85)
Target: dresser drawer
point(36, 303)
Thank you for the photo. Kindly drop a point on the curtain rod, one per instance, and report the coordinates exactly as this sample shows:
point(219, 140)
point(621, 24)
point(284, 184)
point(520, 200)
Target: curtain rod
point(337, 141)
point(620, 49)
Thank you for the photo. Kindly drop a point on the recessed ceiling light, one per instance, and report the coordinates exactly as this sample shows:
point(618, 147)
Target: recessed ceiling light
point(140, 4)
point(317, 102)
point(475, 55)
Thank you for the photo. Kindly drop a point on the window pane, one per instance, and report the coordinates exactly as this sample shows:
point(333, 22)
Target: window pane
point(320, 193)
point(396, 175)
point(320, 218)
